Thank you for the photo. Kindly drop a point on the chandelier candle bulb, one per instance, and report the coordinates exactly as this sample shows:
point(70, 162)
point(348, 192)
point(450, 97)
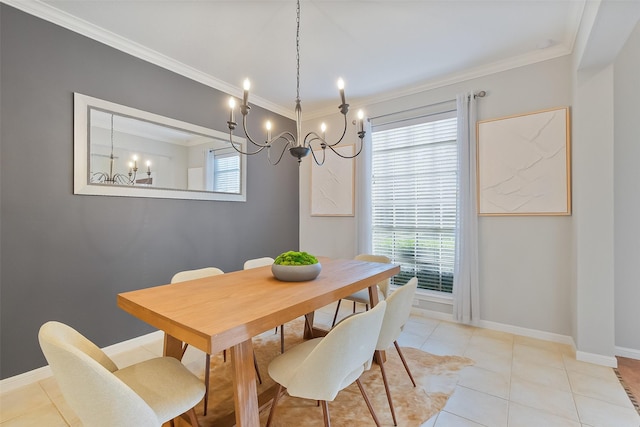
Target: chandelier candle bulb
point(245, 95)
point(148, 166)
point(341, 88)
point(360, 121)
point(232, 105)
point(323, 129)
point(268, 126)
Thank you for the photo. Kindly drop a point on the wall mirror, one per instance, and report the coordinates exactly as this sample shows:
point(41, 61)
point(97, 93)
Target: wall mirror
point(122, 151)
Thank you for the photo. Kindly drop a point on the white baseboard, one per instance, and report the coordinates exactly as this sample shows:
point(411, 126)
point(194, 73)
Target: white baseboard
point(516, 330)
point(39, 374)
point(21, 380)
point(531, 333)
point(631, 353)
point(133, 343)
point(447, 317)
point(597, 359)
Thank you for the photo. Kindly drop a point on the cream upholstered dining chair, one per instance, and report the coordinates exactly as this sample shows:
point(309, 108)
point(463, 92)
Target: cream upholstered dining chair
point(262, 262)
point(258, 262)
point(146, 394)
point(319, 368)
point(199, 273)
point(362, 296)
point(398, 310)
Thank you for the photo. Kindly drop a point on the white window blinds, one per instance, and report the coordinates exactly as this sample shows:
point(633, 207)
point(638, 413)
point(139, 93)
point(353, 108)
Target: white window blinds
point(226, 172)
point(414, 197)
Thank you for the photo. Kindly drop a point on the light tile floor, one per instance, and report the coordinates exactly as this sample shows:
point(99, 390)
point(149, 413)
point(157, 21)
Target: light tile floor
point(516, 381)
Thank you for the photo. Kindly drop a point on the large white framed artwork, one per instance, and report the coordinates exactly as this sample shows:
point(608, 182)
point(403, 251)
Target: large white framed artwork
point(333, 184)
point(524, 164)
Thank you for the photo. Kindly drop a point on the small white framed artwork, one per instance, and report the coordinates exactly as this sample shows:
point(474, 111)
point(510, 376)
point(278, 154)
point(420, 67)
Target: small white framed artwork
point(333, 184)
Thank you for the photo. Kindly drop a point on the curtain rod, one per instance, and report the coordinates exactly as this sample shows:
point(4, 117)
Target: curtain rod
point(479, 94)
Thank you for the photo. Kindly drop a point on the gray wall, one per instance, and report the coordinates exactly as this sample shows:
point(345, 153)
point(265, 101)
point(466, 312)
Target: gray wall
point(626, 152)
point(66, 257)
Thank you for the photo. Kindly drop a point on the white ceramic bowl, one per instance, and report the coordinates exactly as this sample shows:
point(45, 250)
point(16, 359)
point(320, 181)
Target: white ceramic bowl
point(296, 273)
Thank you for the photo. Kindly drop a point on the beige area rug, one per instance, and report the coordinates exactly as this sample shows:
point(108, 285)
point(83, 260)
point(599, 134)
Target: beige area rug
point(435, 376)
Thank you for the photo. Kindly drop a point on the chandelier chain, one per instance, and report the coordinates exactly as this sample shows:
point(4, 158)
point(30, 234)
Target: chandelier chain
point(298, 51)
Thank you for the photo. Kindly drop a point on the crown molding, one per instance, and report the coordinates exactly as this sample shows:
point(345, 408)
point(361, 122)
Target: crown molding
point(70, 22)
point(474, 73)
point(94, 32)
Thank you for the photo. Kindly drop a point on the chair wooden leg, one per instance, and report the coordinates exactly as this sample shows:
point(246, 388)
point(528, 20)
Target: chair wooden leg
point(366, 399)
point(325, 413)
point(207, 369)
point(193, 418)
point(184, 350)
point(281, 339)
point(335, 316)
point(172, 424)
point(273, 404)
point(380, 362)
point(404, 362)
point(255, 365)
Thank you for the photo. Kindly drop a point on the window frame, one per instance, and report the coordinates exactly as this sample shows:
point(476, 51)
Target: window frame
point(443, 291)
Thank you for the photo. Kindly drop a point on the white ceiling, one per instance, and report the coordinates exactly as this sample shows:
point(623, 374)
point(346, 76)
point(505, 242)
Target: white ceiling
point(377, 47)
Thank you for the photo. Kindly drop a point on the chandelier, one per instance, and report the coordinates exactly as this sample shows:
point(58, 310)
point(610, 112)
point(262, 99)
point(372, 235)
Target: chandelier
point(297, 146)
point(119, 178)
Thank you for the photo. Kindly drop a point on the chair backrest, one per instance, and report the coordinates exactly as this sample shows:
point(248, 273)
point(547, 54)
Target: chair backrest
point(258, 262)
point(384, 285)
point(199, 273)
point(340, 358)
point(85, 377)
point(397, 313)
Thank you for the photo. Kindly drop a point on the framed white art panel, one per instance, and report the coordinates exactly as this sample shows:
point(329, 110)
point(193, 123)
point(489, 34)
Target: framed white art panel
point(524, 164)
point(333, 184)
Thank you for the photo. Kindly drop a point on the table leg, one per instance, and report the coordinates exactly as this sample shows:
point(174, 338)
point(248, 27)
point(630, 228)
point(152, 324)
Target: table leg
point(373, 295)
point(244, 380)
point(172, 346)
point(308, 326)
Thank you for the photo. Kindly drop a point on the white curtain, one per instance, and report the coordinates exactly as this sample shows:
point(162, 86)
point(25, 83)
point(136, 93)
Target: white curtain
point(363, 192)
point(209, 164)
point(466, 298)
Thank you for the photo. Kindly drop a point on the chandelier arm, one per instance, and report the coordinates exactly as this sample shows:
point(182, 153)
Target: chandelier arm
point(286, 135)
point(312, 137)
point(246, 132)
point(120, 178)
point(315, 159)
point(98, 177)
point(348, 157)
point(344, 132)
point(247, 153)
point(284, 149)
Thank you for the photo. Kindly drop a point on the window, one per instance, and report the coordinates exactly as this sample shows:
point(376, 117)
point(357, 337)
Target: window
point(414, 197)
point(225, 171)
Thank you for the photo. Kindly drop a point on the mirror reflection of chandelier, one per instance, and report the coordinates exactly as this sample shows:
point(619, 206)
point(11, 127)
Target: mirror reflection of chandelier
point(297, 146)
point(119, 178)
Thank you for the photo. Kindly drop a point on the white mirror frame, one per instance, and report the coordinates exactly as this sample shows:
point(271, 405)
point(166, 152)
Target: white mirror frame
point(82, 104)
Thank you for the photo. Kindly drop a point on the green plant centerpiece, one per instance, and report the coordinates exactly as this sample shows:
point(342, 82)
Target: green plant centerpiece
point(293, 266)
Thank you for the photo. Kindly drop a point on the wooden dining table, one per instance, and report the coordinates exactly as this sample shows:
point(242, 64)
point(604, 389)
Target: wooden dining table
point(225, 311)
